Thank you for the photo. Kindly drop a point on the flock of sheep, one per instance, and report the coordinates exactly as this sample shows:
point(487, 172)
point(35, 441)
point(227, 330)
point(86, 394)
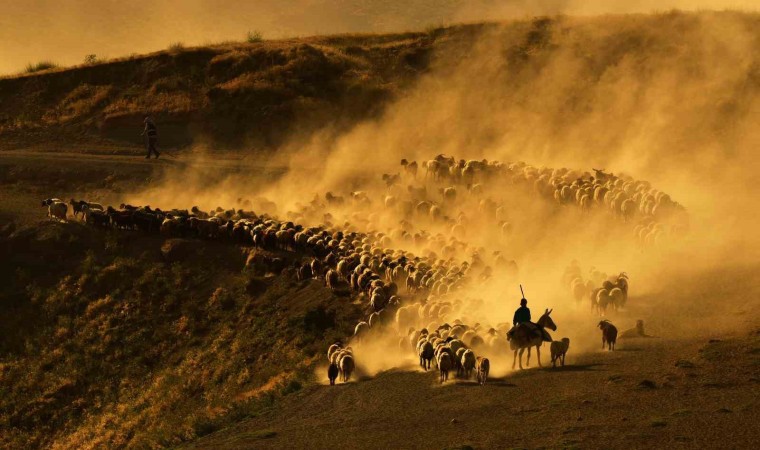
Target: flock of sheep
point(603, 291)
point(349, 248)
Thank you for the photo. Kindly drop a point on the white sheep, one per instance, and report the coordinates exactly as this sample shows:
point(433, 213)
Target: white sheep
point(468, 363)
point(444, 365)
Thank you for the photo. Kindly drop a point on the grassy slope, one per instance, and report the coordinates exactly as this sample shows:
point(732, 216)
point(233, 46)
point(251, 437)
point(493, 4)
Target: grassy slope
point(227, 94)
point(106, 341)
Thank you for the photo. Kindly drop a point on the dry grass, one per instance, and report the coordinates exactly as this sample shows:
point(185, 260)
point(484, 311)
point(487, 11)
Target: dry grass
point(40, 66)
point(125, 349)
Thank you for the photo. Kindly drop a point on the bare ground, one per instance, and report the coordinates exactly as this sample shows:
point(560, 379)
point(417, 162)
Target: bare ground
point(651, 393)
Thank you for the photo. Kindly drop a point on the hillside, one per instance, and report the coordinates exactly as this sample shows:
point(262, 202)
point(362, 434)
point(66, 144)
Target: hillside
point(563, 154)
point(145, 342)
point(231, 94)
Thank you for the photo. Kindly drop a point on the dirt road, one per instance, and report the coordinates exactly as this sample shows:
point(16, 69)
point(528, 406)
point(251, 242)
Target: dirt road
point(652, 393)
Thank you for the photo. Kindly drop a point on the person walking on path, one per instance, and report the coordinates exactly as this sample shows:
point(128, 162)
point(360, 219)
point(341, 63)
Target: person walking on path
point(151, 137)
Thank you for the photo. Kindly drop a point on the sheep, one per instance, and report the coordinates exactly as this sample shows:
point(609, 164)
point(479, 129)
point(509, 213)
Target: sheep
point(449, 194)
point(76, 207)
point(425, 351)
point(332, 279)
point(332, 373)
point(333, 349)
point(362, 328)
point(559, 350)
point(483, 366)
point(346, 364)
point(96, 217)
point(617, 298)
point(602, 300)
point(609, 334)
point(444, 365)
point(57, 209)
point(468, 363)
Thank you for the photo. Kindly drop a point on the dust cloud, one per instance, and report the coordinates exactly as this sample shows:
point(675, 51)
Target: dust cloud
point(64, 31)
point(668, 98)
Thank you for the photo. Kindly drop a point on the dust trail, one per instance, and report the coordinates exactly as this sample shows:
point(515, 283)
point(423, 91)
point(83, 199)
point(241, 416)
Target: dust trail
point(668, 98)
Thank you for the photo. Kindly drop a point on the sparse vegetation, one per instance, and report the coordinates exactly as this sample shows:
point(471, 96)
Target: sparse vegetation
point(254, 37)
point(91, 59)
point(40, 66)
point(176, 46)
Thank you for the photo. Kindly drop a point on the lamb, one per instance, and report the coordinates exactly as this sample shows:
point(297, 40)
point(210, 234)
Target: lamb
point(444, 365)
point(609, 334)
point(559, 350)
point(483, 366)
point(332, 373)
point(468, 363)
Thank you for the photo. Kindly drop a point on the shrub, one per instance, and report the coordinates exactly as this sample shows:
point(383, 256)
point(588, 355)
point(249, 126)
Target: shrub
point(42, 65)
point(254, 37)
point(91, 59)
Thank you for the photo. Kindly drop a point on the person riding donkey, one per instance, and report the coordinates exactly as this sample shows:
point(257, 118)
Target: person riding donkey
point(522, 325)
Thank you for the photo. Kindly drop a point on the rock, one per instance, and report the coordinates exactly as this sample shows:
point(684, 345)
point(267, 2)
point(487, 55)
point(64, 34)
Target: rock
point(685, 364)
point(453, 421)
point(647, 384)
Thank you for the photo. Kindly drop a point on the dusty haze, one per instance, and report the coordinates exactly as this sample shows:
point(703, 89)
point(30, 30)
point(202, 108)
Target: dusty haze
point(64, 31)
point(669, 98)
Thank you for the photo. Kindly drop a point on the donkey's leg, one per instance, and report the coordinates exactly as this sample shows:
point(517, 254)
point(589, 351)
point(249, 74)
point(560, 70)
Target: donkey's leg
point(538, 355)
point(527, 361)
point(514, 360)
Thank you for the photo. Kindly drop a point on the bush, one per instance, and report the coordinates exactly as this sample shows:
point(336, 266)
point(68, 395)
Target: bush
point(254, 37)
point(91, 59)
point(42, 65)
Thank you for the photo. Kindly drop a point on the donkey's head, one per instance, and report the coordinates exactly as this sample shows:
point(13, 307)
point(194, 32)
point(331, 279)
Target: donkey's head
point(546, 322)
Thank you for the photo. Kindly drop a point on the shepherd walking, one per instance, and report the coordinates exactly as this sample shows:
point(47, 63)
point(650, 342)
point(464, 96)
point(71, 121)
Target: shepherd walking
point(151, 137)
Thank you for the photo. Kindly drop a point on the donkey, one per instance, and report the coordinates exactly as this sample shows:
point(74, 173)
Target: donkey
point(531, 335)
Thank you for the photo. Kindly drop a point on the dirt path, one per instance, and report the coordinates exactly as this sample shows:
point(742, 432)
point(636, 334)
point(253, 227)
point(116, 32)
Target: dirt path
point(167, 159)
point(701, 392)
